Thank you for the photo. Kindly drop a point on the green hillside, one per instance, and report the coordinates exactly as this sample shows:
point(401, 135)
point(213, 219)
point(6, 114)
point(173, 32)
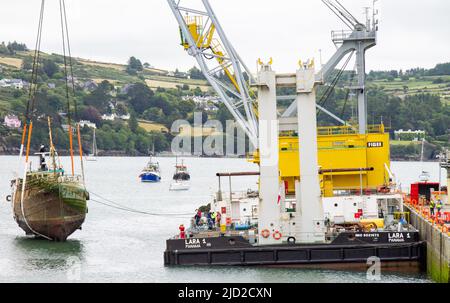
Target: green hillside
point(147, 94)
point(99, 71)
point(414, 99)
point(412, 86)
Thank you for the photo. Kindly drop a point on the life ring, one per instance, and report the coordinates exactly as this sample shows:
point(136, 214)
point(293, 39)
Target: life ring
point(277, 235)
point(265, 233)
point(8, 198)
point(414, 202)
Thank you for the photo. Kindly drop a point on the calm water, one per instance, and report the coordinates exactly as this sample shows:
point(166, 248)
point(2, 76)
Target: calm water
point(117, 246)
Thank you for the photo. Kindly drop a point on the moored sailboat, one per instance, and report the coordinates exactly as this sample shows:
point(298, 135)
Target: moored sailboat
point(92, 157)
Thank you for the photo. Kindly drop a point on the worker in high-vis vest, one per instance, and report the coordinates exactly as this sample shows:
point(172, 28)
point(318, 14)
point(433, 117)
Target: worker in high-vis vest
point(213, 218)
point(432, 207)
point(439, 207)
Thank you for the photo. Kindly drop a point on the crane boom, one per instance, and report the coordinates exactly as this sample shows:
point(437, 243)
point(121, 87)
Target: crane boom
point(203, 38)
point(339, 10)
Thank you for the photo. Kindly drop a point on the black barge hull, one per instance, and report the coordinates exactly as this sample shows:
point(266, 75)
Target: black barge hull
point(225, 251)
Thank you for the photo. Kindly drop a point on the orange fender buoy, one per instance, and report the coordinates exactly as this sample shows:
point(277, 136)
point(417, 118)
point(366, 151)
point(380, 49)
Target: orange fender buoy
point(277, 235)
point(265, 233)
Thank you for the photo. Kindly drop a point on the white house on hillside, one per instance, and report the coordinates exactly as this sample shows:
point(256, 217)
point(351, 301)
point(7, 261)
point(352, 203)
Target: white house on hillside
point(112, 117)
point(12, 121)
point(199, 100)
point(125, 117)
point(90, 85)
point(12, 83)
point(409, 135)
point(65, 127)
point(89, 124)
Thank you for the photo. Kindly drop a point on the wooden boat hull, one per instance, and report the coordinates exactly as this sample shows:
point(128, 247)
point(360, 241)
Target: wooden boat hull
point(55, 212)
point(56, 229)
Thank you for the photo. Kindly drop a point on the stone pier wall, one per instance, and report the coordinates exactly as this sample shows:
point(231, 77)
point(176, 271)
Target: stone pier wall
point(438, 248)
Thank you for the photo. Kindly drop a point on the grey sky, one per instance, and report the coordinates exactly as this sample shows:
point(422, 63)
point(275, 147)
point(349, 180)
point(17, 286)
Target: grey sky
point(413, 33)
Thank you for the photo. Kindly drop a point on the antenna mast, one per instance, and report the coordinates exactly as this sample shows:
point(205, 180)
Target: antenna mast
point(358, 39)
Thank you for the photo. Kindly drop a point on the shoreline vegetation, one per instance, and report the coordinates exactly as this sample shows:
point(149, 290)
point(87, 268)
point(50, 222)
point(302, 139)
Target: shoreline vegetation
point(122, 154)
point(119, 154)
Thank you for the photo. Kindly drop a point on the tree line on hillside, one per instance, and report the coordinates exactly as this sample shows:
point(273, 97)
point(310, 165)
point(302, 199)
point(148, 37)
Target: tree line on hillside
point(135, 68)
point(164, 106)
point(12, 47)
point(424, 111)
point(442, 69)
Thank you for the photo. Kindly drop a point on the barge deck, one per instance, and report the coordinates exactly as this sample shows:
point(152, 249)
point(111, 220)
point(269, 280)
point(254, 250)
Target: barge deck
point(347, 248)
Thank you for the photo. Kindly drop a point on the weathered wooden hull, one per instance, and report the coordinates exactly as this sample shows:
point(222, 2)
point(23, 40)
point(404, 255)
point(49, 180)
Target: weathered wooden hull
point(52, 209)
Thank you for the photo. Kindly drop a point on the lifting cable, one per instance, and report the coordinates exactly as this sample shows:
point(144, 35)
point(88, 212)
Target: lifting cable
point(68, 69)
point(326, 96)
point(115, 205)
point(352, 77)
point(66, 78)
point(65, 30)
point(33, 84)
point(29, 119)
point(35, 68)
point(70, 57)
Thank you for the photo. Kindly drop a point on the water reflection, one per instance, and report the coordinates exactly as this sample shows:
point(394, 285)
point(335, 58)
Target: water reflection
point(124, 247)
point(39, 254)
point(265, 274)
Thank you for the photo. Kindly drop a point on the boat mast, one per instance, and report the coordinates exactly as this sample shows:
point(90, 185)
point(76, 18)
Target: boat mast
point(422, 151)
point(52, 147)
point(94, 145)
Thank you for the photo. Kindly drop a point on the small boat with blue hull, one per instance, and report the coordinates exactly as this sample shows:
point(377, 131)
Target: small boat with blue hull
point(151, 173)
point(150, 177)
